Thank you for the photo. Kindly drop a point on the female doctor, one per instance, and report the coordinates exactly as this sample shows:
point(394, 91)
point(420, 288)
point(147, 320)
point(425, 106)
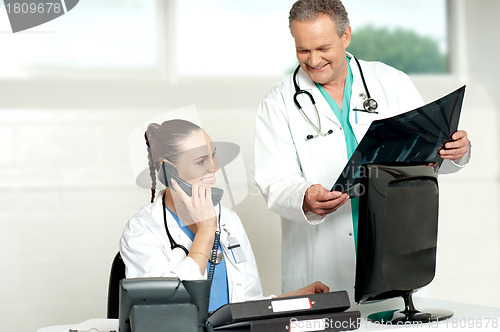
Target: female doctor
point(299, 155)
point(182, 234)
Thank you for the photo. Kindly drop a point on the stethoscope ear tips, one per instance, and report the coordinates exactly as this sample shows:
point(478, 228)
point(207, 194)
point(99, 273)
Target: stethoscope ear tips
point(309, 137)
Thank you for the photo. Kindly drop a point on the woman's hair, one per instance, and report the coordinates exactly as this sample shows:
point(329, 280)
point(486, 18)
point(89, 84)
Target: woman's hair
point(308, 10)
point(163, 143)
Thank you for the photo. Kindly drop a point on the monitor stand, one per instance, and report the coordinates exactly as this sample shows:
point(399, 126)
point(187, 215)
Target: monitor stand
point(410, 314)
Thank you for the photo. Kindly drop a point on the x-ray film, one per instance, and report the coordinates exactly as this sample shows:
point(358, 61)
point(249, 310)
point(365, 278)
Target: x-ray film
point(414, 137)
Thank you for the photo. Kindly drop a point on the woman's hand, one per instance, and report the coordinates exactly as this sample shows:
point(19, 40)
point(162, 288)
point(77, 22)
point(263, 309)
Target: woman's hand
point(198, 209)
point(315, 287)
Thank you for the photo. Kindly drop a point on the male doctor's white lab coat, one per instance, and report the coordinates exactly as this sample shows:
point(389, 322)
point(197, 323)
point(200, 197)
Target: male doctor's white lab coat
point(316, 248)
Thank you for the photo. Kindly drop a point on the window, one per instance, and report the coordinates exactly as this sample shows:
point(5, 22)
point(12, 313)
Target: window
point(234, 38)
point(242, 38)
point(228, 38)
point(95, 34)
point(410, 35)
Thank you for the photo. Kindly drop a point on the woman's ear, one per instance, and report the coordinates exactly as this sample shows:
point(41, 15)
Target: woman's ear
point(168, 164)
point(166, 171)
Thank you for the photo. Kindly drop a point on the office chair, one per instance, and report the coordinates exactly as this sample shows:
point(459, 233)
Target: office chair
point(117, 273)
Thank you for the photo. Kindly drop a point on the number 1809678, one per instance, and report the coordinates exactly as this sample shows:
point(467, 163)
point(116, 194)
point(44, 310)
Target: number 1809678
point(34, 8)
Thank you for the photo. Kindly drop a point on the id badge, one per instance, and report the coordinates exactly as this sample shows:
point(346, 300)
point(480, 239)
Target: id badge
point(236, 250)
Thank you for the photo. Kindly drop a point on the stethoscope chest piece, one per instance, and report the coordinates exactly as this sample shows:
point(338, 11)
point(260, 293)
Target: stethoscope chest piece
point(370, 105)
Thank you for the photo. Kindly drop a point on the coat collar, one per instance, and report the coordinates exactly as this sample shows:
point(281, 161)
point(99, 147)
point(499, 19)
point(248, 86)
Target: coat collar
point(176, 232)
point(306, 83)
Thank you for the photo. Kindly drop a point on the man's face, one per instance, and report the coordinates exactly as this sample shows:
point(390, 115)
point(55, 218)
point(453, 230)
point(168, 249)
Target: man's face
point(320, 50)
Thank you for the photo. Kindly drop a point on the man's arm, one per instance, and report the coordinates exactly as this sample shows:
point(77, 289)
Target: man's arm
point(277, 167)
point(456, 154)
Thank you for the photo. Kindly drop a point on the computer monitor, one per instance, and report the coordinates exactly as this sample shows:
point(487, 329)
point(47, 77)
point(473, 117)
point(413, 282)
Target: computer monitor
point(163, 304)
point(397, 237)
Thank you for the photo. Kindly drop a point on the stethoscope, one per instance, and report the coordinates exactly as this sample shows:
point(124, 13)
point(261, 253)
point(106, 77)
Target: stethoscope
point(369, 104)
point(216, 256)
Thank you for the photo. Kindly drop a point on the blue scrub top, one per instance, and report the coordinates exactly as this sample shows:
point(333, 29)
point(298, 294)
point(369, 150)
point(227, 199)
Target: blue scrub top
point(219, 292)
point(350, 139)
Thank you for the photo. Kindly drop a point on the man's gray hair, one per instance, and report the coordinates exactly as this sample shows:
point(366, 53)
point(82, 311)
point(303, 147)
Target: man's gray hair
point(308, 10)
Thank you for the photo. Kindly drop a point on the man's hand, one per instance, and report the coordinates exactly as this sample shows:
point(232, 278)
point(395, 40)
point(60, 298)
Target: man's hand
point(316, 287)
point(321, 201)
point(457, 148)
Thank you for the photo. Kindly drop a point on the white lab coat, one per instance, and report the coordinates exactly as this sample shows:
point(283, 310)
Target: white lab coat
point(286, 164)
point(145, 249)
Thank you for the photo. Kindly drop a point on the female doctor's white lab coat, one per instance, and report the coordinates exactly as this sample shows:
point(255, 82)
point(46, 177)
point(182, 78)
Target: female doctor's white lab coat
point(145, 249)
point(316, 248)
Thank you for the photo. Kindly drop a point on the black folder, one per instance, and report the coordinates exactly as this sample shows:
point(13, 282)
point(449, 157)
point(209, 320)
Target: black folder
point(320, 303)
point(414, 137)
point(336, 321)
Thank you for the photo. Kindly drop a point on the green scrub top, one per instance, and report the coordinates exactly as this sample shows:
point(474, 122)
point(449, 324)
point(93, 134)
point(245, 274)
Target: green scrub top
point(350, 139)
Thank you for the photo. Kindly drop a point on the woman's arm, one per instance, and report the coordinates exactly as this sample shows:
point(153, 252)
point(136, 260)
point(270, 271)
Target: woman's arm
point(199, 213)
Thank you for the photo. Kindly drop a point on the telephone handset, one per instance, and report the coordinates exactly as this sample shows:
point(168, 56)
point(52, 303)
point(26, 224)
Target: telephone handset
point(169, 172)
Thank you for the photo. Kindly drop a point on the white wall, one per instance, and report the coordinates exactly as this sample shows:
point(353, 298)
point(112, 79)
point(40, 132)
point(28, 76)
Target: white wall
point(468, 268)
point(66, 189)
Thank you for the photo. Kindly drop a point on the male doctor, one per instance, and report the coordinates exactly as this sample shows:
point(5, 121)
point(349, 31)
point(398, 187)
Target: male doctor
point(299, 159)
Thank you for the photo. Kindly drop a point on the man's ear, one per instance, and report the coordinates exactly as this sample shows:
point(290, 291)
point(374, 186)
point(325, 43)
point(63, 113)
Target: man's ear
point(346, 36)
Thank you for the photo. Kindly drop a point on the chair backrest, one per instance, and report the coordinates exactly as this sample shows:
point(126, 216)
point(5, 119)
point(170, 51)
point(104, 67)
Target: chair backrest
point(117, 273)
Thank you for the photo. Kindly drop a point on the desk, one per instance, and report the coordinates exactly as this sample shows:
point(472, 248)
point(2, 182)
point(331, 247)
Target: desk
point(466, 317)
point(100, 324)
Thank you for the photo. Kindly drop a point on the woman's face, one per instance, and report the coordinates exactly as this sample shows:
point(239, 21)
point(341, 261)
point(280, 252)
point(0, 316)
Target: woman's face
point(197, 162)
